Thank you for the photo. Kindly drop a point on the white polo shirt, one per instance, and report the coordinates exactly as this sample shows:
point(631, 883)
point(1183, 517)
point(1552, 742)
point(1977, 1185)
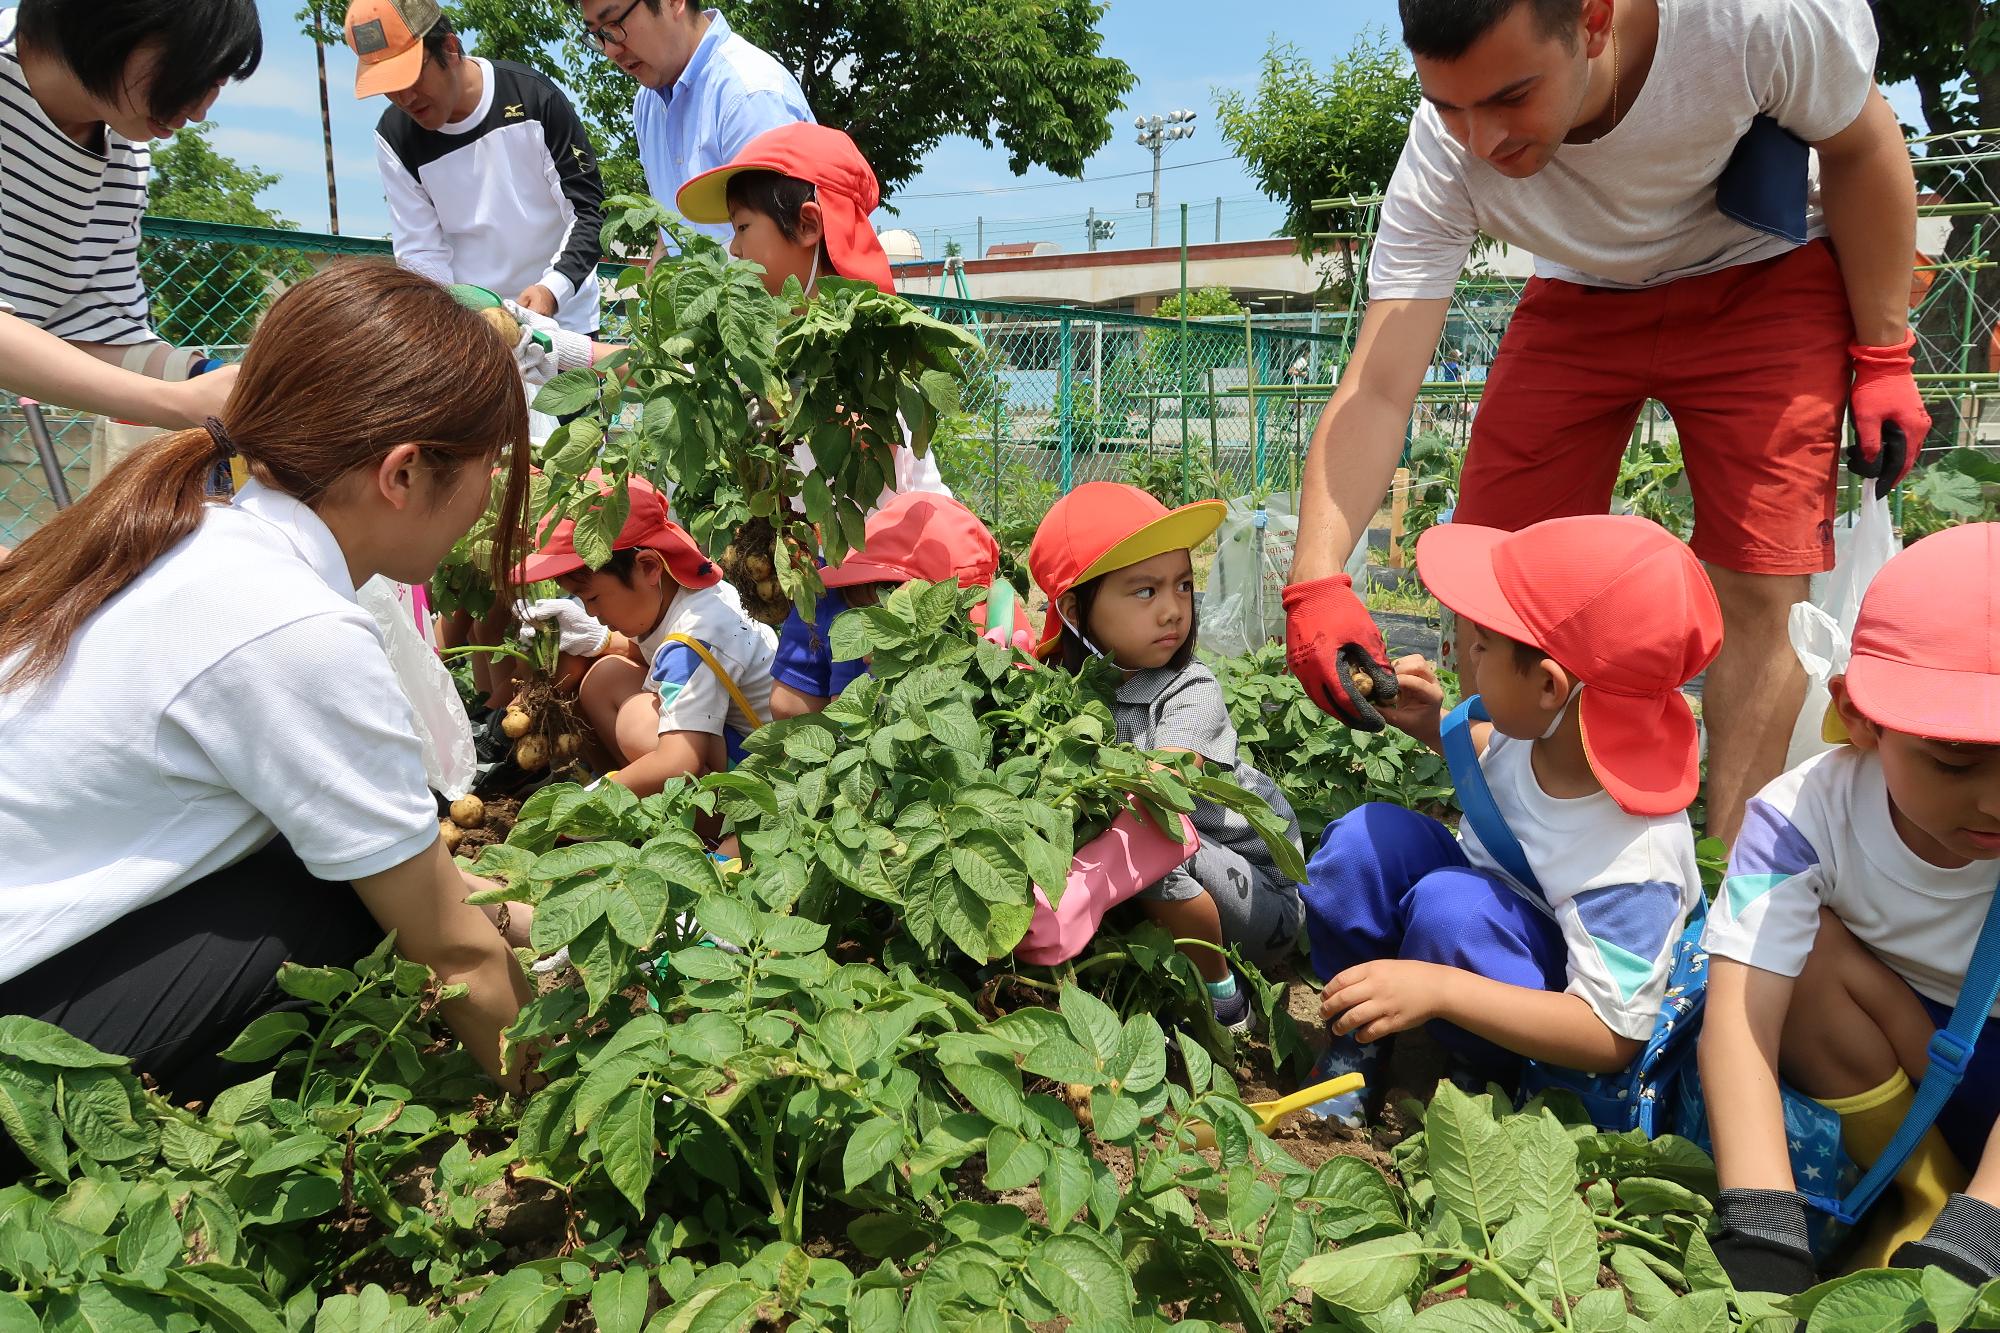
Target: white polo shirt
point(232, 692)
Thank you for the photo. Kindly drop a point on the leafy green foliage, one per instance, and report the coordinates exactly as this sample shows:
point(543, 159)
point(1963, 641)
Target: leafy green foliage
point(1310, 133)
point(1961, 487)
point(1323, 768)
point(722, 383)
point(953, 778)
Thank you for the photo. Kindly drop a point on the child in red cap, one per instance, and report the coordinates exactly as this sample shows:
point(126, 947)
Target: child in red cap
point(1117, 568)
point(797, 199)
point(918, 536)
point(1583, 631)
point(1843, 932)
point(681, 675)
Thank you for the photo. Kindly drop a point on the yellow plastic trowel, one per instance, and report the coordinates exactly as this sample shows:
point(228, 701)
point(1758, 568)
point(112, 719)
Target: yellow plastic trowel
point(1270, 1113)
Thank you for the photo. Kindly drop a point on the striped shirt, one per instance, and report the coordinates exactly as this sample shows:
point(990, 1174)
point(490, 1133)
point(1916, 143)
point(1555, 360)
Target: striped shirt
point(69, 220)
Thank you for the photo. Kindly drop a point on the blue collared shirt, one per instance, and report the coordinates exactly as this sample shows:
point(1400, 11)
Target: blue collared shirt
point(730, 93)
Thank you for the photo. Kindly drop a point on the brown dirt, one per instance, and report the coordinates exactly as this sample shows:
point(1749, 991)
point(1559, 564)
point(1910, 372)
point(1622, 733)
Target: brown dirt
point(558, 726)
point(501, 812)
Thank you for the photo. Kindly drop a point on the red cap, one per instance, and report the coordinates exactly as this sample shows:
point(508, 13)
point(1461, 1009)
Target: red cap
point(919, 535)
point(647, 527)
point(1926, 656)
point(842, 178)
point(1105, 525)
point(1623, 606)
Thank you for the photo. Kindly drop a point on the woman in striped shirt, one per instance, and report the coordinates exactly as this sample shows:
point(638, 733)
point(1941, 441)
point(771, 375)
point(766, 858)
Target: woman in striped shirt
point(83, 89)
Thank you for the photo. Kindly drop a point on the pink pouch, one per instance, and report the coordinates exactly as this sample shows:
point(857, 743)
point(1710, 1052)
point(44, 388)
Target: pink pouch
point(1110, 868)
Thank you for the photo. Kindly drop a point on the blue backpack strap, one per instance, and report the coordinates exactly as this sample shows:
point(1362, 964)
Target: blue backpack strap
point(1475, 798)
point(1951, 1051)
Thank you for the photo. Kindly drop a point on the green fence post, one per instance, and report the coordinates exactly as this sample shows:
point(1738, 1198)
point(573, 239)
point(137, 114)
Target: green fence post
point(1187, 459)
point(1065, 406)
point(998, 396)
point(1254, 402)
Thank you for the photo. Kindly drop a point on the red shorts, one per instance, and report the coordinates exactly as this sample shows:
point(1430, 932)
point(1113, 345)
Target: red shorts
point(1752, 363)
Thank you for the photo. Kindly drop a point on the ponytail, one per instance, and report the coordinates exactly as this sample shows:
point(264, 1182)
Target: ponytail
point(347, 365)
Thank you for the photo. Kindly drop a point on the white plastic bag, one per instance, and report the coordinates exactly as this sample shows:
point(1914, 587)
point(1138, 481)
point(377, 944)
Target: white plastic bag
point(1242, 608)
point(443, 729)
point(1822, 628)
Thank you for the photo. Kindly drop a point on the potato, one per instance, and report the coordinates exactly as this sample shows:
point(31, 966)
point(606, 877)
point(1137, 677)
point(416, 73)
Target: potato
point(503, 324)
point(451, 833)
point(531, 754)
point(468, 812)
point(760, 567)
point(1363, 686)
point(516, 724)
point(767, 589)
point(568, 745)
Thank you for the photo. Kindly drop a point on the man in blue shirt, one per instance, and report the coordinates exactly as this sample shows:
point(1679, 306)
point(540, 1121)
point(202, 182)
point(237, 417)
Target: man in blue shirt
point(704, 92)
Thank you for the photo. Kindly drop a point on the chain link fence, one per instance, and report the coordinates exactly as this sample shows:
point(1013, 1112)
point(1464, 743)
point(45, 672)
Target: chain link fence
point(1056, 396)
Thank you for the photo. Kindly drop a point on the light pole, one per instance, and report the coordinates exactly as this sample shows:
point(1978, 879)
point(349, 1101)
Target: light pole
point(1156, 132)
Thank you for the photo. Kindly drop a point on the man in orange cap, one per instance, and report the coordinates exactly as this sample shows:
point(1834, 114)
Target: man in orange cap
point(489, 175)
point(1583, 631)
point(1857, 904)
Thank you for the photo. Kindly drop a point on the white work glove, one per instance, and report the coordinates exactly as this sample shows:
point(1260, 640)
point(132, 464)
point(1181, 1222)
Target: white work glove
point(581, 634)
point(545, 348)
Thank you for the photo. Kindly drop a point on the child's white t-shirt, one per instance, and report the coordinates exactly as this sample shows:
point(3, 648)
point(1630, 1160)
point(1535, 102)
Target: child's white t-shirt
point(1822, 836)
point(692, 698)
point(1618, 884)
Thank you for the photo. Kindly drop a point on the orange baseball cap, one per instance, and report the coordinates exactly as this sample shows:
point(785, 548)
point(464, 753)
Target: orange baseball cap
point(1926, 654)
point(919, 535)
point(1623, 606)
point(388, 37)
point(841, 177)
point(647, 527)
point(1105, 525)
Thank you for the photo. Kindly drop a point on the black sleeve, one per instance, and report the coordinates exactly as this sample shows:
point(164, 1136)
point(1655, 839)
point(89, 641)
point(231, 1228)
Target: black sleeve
point(576, 164)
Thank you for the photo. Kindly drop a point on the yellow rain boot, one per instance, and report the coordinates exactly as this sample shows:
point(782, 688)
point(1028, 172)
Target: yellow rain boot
point(1868, 1120)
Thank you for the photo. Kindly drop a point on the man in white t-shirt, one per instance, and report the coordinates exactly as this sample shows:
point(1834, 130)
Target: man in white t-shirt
point(1652, 157)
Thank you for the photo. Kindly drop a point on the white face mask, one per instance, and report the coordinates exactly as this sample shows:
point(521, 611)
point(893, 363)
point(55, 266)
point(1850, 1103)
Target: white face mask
point(1563, 712)
point(1084, 639)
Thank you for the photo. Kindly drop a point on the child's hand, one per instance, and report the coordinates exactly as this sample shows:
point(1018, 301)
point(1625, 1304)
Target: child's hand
point(1419, 705)
point(1382, 998)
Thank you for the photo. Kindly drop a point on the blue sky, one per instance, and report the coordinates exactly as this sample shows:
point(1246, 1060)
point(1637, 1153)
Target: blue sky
point(1181, 50)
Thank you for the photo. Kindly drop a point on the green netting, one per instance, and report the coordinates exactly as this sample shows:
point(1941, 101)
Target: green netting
point(1059, 396)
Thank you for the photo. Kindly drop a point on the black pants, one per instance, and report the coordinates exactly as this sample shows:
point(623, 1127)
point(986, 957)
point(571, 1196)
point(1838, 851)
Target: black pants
point(172, 984)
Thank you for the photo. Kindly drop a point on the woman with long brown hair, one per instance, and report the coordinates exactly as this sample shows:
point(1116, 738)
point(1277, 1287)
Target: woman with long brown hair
point(206, 766)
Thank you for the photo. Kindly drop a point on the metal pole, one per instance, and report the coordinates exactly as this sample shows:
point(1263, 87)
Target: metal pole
point(980, 253)
point(1965, 347)
point(1090, 229)
point(1218, 219)
point(1185, 379)
point(45, 449)
point(1097, 371)
point(1158, 148)
point(1065, 402)
point(1250, 378)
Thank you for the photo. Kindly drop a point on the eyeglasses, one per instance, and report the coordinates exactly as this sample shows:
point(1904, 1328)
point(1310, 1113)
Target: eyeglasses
point(613, 32)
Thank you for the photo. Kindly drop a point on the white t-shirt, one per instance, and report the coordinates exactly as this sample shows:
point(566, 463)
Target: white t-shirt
point(692, 698)
point(1822, 836)
point(1618, 884)
point(232, 692)
point(1636, 208)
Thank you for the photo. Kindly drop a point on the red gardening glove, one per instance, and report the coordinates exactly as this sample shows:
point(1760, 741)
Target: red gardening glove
point(1890, 422)
point(1329, 638)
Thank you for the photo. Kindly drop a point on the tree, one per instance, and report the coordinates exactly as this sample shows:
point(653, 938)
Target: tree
point(321, 21)
point(898, 75)
point(1316, 134)
point(210, 293)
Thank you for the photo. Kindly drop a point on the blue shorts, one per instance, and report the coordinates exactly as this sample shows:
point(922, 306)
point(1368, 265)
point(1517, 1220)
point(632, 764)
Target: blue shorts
point(805, 659)
point(1967, 1119)
point(1388, 882)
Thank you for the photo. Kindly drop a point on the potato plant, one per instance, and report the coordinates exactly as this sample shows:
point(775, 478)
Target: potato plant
point(812, 1090)
point(722, 384)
